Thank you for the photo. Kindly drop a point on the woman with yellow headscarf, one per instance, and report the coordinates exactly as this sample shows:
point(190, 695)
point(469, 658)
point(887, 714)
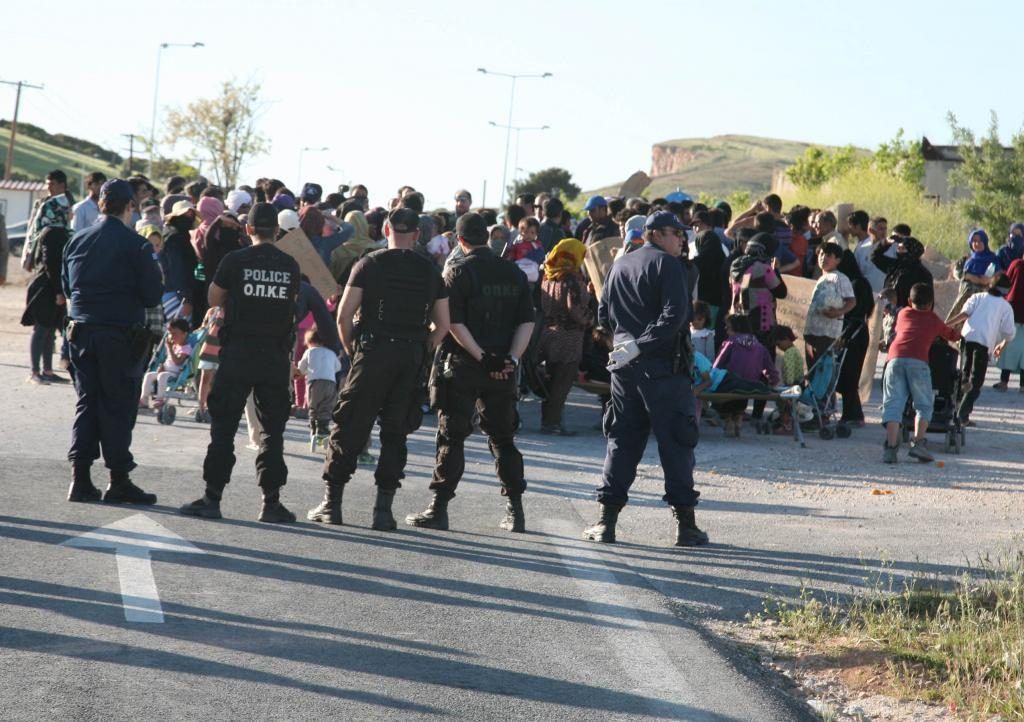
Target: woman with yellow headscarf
point(565, 304)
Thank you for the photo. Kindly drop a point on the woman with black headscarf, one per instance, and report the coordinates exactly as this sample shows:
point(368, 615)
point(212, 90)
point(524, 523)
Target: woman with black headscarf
point(711, 276)
point(903, 271)
point(45, 305)
point(855, 333)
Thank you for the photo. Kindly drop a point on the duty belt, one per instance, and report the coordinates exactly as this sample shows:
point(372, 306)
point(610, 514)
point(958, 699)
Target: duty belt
point(378, 338)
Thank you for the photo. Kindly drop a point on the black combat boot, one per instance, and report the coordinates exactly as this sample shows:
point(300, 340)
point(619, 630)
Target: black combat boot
point(434, 517)
point(207, 507)
point(603, 530)
point(123, 491)
point(329, 511)
point(687, 533)
point(273, 511)
point(383, 519)
point(515, 518)
point(82, 488)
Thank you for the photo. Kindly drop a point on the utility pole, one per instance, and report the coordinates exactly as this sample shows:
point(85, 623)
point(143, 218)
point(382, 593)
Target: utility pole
point(14, 121)
point(131, 152)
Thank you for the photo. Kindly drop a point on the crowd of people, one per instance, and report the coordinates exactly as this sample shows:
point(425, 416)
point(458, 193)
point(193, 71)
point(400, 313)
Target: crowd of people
point(735, 271)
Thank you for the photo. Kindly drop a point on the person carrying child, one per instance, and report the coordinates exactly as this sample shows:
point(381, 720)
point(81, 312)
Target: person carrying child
point(526, 251)
point(178, 352)
point(320, 366)
point(745, 358)
point(907, 374)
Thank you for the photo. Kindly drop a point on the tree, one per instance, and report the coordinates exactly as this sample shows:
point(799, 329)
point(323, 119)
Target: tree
point(817, 166)
point(222, 128)
point(901, 159)
point(994, 176)
point(550, 180)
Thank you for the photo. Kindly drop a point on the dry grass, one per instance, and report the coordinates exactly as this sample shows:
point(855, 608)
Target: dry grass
point(960, 644)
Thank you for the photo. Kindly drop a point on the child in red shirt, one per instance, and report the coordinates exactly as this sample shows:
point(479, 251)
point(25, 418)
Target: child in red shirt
point(907, 374)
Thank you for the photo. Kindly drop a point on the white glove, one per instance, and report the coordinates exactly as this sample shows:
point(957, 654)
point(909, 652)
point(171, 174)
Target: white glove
point(622, 354)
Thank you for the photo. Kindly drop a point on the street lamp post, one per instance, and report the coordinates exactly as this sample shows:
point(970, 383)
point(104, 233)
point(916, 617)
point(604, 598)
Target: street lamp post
point(302, 152)
point(518, 129)
point(156, 96)
point(511, 103)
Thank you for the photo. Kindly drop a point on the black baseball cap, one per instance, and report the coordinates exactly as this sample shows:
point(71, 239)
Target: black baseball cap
point(404, 220)
point(262, 215)
point(472, 227)
point(311, 192)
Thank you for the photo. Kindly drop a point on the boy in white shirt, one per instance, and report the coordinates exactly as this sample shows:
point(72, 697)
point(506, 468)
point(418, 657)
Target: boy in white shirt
point(320, 366)
point(989, 326)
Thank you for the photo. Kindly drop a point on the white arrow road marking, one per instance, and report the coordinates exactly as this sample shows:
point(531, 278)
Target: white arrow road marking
point(133, 538)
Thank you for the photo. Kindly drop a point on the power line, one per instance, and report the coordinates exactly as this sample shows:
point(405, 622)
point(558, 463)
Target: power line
point(14, 121)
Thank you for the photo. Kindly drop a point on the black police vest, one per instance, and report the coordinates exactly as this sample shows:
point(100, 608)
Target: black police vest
point(491, 316)
point(397, 301)
point(261, 301)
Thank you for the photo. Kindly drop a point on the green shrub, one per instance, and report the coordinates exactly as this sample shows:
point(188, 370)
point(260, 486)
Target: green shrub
point(880, 194)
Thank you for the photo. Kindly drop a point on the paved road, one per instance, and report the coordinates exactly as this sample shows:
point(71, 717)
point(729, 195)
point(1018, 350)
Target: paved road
point(308, 622)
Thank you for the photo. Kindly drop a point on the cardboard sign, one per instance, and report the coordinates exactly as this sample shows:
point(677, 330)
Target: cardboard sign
point(297, 245)
point(598, 261)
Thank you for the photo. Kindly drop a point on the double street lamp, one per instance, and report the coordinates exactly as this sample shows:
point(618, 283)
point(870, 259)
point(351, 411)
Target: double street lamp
point(518, 129)
point(156, 95)
point(303, 151)
point(511, 103)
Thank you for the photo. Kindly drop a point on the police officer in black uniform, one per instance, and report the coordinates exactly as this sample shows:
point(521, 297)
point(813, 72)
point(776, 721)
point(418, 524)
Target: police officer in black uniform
point(109, 276)
point(393, 313)
point(257, 287)
point(492, 320)
point(646, 305)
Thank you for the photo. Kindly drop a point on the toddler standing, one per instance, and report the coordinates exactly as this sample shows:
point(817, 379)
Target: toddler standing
point(320, 366)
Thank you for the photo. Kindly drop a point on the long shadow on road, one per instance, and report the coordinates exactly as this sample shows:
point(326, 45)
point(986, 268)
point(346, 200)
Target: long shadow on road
point(255, 637)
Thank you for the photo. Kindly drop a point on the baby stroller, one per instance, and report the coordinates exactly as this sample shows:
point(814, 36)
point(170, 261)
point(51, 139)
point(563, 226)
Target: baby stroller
point(947, 382)
point(184, 386)
point(819, 395)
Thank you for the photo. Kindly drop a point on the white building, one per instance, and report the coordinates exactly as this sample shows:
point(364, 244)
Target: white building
point(17, 198)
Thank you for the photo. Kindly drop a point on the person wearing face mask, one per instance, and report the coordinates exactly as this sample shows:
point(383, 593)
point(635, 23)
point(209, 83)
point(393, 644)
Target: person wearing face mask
point(1014, 247)
point(178, 261)
point(905, 269)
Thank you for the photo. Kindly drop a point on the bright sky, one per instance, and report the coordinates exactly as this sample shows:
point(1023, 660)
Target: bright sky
point(393, 91)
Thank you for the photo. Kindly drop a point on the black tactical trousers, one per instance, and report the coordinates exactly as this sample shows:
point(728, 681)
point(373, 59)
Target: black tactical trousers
point(383, 382)
point(472, 387)
point(260, 367)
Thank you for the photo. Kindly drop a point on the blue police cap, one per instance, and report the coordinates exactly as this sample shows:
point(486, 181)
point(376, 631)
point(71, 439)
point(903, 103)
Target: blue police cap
point(663, 219)
point(116, 189)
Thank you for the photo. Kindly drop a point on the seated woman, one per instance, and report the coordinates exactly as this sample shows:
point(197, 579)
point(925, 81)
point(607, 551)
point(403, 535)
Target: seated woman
point(746, 358)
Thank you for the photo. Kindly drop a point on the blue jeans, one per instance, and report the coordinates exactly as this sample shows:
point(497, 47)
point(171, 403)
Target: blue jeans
point(907, 378)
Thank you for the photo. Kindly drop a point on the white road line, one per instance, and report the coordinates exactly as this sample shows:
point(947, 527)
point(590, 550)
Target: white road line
point(637, 648)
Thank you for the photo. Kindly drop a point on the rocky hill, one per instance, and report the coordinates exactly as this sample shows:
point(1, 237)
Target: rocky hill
point(717, 166)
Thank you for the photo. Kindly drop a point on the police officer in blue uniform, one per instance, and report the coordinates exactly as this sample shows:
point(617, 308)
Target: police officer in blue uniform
point(257, 287)
point(109, 276)
point(492, 321)
point(393, 313)
point(645, 304)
